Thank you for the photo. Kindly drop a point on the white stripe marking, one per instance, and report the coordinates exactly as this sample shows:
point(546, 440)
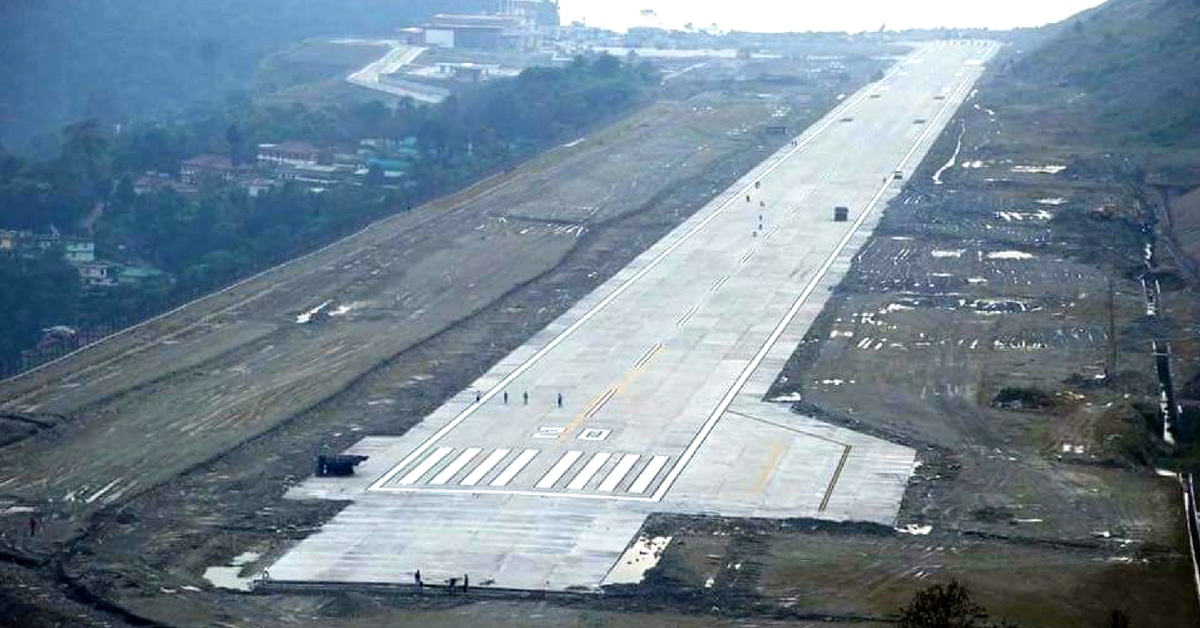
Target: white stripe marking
point(454, 467)
point(513, 469)
point(647, 475)
point(618, 473)
point(412, 476)
point(588, 471)
point(559, 469)
point(484, 467)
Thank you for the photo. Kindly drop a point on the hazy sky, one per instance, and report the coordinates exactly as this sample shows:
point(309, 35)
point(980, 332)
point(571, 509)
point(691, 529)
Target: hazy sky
point(802, 15)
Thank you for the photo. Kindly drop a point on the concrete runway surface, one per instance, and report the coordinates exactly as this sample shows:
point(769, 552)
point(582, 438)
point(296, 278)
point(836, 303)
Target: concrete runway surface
point(661, 372)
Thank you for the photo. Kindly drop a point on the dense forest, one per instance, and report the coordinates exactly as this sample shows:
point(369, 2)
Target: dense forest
point(218, 232)
point(69, 60)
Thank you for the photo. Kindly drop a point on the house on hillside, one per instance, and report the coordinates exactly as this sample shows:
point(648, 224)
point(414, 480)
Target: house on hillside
point(8, 241)
point(79, 250)
point(289, 153)
point(209, 168)
point(151, 181)
point(97, 274)
point(481, 32)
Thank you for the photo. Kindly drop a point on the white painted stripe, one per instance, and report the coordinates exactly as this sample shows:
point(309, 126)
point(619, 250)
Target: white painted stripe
point(559, 469)
point(618, 473)
point(454, 467)
point(484, 467)
point(589, 470)
point(647, 475)
point(412, 476)
point(514, 468)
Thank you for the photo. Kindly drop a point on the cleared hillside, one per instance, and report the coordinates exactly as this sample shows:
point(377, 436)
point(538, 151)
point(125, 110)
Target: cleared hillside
point(1124, 73)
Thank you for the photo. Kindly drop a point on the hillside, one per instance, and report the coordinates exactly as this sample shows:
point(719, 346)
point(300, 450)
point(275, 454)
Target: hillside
point(1126, 69)
point(119, 60)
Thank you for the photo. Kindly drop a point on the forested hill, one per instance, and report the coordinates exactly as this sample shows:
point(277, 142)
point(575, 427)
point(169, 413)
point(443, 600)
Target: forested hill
point(118, 60)
point(1128, 69)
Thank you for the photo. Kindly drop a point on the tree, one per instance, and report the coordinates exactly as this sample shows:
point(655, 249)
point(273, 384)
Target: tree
point(233, 135)
point(948, 606)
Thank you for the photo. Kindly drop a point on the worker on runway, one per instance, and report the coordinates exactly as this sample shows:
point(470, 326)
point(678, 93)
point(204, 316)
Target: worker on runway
point(32, 526)
point(466, 582)
point(477, 396)
point(525, 397)
point(560, 400)
point(417, 579)
point(506, 396)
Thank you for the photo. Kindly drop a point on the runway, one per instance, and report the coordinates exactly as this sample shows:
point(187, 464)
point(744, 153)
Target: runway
point(647, 395)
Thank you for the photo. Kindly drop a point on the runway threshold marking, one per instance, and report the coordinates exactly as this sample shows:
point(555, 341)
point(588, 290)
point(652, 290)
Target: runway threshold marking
point(514, 467)
point(484, 467)
point(618, 473)
point(733, 390)
point(805, 139)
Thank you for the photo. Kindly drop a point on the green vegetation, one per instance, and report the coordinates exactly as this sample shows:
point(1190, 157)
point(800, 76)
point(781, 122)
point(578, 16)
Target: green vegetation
point(951, 606)
point(219, 231)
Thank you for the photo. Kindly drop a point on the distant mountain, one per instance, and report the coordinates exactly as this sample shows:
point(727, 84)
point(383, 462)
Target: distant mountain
point(1129, 69)
point(117, 60)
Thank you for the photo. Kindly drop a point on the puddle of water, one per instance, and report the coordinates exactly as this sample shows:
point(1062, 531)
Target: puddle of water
point(937, 176)
point(228, 577)
point(345, 308)
point(915, 529)
point(948, 253)
point(637, 560)
point(1010, 255)
point(1042, 169)
point(308, 316)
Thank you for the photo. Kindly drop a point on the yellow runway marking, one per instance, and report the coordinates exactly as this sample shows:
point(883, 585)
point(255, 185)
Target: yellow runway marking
point(768, 470)
point(837, 472)
point(612, 391)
